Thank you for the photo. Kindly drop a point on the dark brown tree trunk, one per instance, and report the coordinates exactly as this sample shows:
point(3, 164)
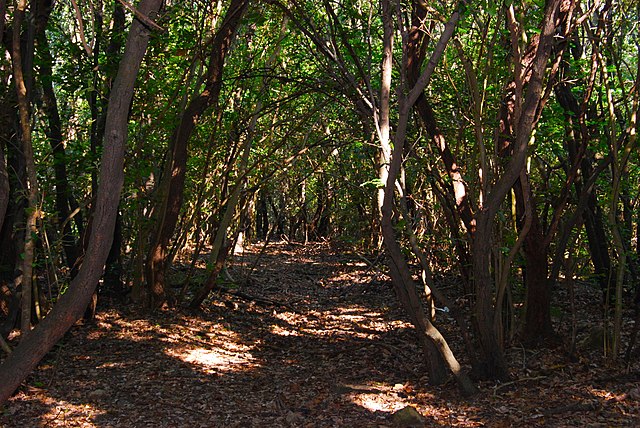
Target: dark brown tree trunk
point(262, 216)
point(437, 351)
point(537, 325)
point(172, 185)
point(415, 58)
point(72, 304)
point(490, 362)
point(212, 279)
point(417, 45)
point(4, 182)
point(22, 63)
point(113, 266)
point(54, 134)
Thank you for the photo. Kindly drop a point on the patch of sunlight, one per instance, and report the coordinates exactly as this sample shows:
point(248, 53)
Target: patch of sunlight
point(358, 318)
point(215, 360)
point(112, 365)
point(606, 395)
point(63, 411)
point(379, 402)
point(357, 310)
point(275, 329)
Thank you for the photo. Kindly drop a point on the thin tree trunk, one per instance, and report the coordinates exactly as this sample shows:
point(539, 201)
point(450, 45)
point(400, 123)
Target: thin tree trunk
point(71, 305)
point(221, 246)
point(32, 182)
point(54, 134)
point(4, 186)
point(416, 47)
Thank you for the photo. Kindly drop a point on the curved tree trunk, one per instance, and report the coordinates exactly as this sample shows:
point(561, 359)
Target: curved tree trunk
point(435, 346)
point(72, 304)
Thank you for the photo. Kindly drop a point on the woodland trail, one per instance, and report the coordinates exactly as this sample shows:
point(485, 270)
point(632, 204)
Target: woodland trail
point(332, 349)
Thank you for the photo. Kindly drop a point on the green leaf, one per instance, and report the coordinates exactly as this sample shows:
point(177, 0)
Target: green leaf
point(375, 182)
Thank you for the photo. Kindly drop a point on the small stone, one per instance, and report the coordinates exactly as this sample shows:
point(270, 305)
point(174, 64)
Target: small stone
point(97, 393)
point(408, 417)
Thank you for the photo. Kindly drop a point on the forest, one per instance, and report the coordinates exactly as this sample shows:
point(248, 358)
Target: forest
point(319, 213)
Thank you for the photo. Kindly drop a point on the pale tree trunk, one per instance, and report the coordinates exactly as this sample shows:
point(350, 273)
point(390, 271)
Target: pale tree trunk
point(72, 304)
point(382, 115)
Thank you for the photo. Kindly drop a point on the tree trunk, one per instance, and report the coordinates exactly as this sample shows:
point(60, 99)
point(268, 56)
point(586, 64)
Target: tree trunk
point(4, 185)
point(72, 304)
point(172, 185)
point(416, 47)
point(436, 348)
point(492, 363)
point(20, 69)
point(54, 134)
point(537, 324)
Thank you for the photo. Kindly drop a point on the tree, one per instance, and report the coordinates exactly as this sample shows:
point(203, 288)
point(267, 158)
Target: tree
point(172, 185)
point(72, 304)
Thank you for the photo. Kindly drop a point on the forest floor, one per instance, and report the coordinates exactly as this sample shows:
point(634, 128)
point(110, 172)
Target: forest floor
point(322, 343)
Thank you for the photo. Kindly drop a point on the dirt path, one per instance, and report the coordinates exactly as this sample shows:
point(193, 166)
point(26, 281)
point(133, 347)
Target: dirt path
point(337, 353)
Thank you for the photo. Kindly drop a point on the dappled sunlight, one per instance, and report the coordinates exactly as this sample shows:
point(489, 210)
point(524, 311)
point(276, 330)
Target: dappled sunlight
point(280, 331)
point(301, 354)
point(56, 412)
point(215, 360)
point(384, 398)
point(625, 399)
point(63, 411)
point(378, 398)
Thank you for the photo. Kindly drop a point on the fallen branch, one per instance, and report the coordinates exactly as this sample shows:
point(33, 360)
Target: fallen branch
point(513, 382)
point(5, 346)
point(249, 298)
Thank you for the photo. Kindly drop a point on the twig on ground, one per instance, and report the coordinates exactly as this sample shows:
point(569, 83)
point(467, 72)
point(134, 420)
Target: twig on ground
point(372, 264)
point(513, 382)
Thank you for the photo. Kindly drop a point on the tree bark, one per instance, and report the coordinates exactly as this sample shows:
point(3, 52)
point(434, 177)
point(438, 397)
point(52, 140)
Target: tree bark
point(4, 186)
point(72, 304)
point(537, 325)
point(416, 52)
point(25, 280)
